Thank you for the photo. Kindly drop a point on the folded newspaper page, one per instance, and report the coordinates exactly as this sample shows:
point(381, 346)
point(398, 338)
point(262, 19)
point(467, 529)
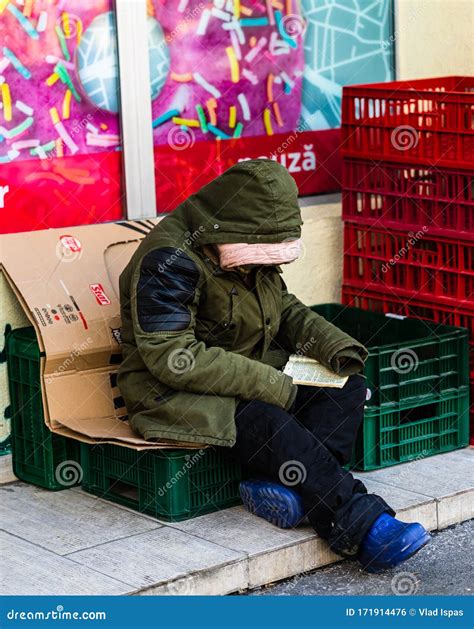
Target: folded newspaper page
point(309, 371)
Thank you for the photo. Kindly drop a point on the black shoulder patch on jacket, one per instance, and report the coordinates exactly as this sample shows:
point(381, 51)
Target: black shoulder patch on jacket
point(165, 290)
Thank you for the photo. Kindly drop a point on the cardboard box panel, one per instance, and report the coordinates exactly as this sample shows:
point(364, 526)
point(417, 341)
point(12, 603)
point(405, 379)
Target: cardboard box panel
point(66, 281)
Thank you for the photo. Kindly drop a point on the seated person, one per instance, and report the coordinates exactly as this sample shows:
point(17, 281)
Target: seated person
point(208, 324)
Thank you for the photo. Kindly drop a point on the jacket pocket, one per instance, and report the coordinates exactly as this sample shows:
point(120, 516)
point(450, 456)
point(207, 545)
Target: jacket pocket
point(233, 294)
point(222, 330)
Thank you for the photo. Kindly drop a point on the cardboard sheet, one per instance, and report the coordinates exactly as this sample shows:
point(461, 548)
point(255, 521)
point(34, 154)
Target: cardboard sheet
point(66, 281)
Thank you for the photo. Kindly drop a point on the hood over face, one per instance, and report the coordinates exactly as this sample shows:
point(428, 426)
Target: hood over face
point(255, 201)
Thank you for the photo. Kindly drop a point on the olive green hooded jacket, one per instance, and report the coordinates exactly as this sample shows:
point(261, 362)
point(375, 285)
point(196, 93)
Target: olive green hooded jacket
point(197, 339)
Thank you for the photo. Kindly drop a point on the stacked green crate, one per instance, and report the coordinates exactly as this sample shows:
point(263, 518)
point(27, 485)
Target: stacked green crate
point(38, 455)
point(417, 386)
point(172, 485)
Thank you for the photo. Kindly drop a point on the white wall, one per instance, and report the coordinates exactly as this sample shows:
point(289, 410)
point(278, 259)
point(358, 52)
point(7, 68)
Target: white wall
point(316, 276)
point(434, 38)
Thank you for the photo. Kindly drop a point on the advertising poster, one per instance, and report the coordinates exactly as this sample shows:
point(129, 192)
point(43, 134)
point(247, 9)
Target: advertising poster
point(230, 80)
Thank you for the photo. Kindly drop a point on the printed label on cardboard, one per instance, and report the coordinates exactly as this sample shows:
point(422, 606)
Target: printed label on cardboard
point(71, 243)
point(100, 295)
point(117, 335)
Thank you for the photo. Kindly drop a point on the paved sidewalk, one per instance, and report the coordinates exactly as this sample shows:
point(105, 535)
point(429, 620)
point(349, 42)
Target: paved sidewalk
point(72, 543)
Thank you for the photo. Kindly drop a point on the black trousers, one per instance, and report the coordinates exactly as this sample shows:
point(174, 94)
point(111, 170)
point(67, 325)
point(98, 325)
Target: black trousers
point(305, 448)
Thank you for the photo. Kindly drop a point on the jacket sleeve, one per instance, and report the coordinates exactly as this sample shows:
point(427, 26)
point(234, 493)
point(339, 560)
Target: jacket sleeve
point(303, 330)
point(165, 294)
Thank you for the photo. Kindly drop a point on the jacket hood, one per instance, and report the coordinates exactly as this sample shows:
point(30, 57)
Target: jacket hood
point(254, 201)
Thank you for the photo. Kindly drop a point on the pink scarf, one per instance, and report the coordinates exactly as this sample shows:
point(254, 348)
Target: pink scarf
point(240, 254)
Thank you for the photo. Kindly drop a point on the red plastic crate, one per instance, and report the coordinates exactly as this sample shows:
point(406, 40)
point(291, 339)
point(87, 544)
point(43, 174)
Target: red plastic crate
point(414, 264)
point(409, 196)
point(417, 308)
point(424, 121)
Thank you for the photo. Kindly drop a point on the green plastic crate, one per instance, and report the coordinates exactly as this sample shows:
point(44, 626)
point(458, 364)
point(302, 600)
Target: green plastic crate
point(171, 485)
point(409, 359)
point(38, 455)
point(412, 431)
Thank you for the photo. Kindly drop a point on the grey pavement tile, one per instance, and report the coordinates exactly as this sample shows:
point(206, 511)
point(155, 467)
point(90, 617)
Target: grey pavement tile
point(29, 570)
point(155, 556)
point(239, 530)
point(65, 521)
point(435, 476)
point(6, 471)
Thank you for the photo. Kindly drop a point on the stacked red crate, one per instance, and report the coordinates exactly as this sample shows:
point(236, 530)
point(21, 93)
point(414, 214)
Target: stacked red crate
point(408, 200)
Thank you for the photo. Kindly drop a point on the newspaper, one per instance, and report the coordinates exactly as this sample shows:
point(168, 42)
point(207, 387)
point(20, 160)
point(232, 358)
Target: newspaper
point(309, 371)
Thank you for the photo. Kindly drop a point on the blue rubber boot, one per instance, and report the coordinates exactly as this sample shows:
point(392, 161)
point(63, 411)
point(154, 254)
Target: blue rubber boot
point(276, 503)
point(389, 542)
